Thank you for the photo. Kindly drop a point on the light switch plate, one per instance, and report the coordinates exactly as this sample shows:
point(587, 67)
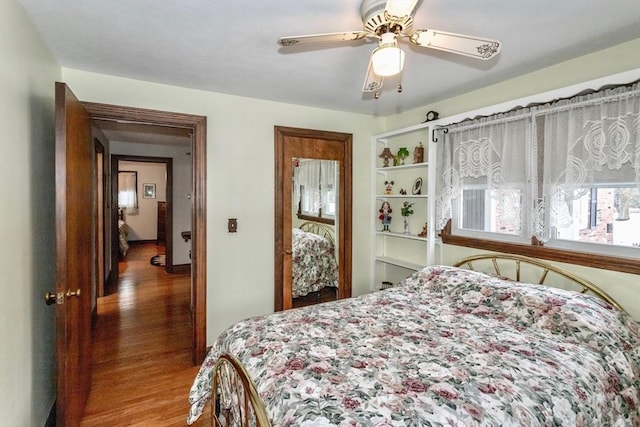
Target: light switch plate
point(232, 225)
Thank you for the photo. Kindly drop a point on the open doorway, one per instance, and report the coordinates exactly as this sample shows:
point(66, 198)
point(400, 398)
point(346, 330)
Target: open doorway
point(195, 127)
point(146, 204)
point(77, 170)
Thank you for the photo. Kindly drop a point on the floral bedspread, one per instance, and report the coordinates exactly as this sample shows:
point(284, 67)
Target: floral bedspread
point(445, 347)
point(314, 264)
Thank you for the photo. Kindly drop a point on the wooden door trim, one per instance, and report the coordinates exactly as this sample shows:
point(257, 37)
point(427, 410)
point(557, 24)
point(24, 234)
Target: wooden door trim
point(100, 211)
point(281, 209)
point(198, 127)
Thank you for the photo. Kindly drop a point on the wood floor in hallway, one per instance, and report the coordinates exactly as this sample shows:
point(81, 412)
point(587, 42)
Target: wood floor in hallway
point(142, 366)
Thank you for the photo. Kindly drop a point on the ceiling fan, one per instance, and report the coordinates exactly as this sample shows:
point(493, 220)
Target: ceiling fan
point(392, 20)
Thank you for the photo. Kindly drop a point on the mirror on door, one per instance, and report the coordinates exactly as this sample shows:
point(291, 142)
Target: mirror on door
point(315, 198)
point(312, 235)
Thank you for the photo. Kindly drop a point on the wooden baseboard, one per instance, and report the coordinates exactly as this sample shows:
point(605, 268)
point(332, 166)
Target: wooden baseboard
point(51, 419)
point(181, 268)
point(141, 242)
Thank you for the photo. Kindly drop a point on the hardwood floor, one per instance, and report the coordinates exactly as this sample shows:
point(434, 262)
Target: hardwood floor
point(142, 368)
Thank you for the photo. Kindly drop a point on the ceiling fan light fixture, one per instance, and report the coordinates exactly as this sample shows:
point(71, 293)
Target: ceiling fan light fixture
point(387, 59)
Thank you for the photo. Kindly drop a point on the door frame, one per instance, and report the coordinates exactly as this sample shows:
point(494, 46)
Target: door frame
point(100, 211)
point(198, 127)
point(309, 143)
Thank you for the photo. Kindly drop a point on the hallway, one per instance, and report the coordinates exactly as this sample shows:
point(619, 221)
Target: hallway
point(142, 368)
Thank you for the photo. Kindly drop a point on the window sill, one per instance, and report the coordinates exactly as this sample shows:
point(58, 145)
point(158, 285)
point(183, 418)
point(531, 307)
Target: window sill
point(535, 250)
point(316, 219)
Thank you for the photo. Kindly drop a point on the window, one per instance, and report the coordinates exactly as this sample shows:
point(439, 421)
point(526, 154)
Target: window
point(491, 210)
point(603, 215)
point(315, 188)
point(128, 191)
point(564, 175)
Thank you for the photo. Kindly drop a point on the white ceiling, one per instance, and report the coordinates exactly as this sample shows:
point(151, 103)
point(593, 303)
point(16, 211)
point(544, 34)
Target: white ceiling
point(231, 46)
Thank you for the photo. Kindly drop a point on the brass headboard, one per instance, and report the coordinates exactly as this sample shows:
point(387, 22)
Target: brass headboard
point(474, 263)
point(319, 229)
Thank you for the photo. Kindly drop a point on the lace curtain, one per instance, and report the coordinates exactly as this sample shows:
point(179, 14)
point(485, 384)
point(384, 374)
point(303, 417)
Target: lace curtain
point(315, 184)
point(491, 154)
point(534, 161)
point(586, 140)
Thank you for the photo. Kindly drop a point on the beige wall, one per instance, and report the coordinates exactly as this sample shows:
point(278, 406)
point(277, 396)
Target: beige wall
point(27, 326)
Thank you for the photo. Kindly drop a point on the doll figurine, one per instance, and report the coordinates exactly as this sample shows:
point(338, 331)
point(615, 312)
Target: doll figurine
point(388, 187)
point(385, 215)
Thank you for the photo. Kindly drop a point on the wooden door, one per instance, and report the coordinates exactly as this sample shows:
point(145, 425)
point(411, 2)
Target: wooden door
point(293, 143)
point(75, 255)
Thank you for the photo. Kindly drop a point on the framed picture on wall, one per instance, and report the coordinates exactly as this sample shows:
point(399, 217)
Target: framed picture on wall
point(149, 191)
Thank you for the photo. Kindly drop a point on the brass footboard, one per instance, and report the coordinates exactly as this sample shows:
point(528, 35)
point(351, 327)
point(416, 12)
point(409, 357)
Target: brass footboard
point(234, 399)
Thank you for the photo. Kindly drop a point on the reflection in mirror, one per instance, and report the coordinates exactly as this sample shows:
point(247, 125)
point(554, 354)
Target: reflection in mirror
point(315, 226)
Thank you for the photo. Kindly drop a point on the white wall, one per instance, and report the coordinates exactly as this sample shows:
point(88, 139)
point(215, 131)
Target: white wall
point(27, 326)
point(240, 173)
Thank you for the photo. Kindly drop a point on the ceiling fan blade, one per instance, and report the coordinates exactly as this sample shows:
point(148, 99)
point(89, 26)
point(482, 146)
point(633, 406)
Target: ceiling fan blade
point(474, 47)
point(321, 38)
point(372, 81)
point(400, 8)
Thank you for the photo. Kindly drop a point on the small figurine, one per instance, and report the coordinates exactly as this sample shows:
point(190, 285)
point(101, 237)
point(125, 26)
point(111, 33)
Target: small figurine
point(386, 155)
point(403, 191)
point(423, 233)
point(385, 215)
point(418, 154)
point(388, 187)
point(403, 153)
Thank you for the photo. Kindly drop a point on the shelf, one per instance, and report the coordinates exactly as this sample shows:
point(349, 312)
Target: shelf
point(400, 263)
point(401, 235)
point(394, 253)
point(395, 168)
point(401, 196)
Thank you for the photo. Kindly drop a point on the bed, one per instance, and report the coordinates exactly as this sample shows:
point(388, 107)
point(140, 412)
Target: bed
point(314, 265)
point(123, 244)
point(447, 346)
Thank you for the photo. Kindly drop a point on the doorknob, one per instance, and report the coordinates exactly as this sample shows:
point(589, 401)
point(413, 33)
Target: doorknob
point(75, 293)
point(50, 298)
point(288, 252)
